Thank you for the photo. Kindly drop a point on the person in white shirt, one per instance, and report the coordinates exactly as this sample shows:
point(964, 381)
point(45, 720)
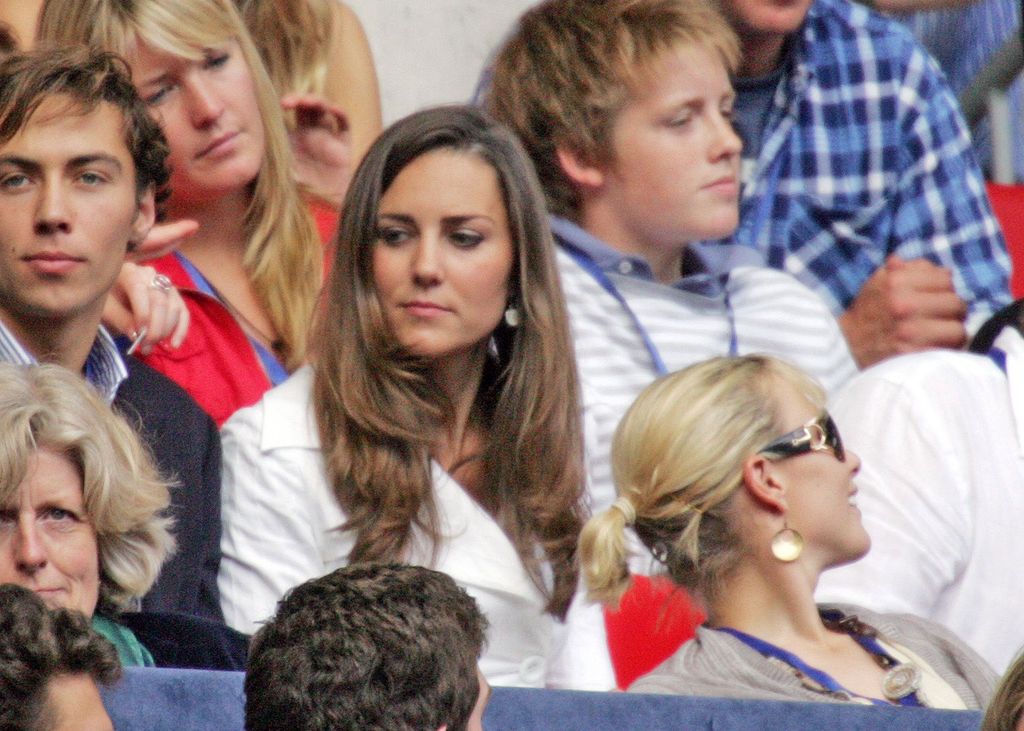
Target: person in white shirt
point(439, 424)
point(941, 434)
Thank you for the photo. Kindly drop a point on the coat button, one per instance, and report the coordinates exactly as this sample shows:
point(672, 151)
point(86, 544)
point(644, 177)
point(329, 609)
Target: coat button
point(532, 670)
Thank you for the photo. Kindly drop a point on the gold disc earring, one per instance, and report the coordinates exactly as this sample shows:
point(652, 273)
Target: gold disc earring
point(787, 544)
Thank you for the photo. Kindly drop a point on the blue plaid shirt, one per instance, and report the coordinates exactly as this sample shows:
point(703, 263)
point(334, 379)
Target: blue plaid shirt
point(865, 154)
point(963, 40)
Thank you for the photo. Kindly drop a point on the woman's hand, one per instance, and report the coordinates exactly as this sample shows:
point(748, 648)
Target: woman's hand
point(145, 307)
point(162, 239)
point(321, 145)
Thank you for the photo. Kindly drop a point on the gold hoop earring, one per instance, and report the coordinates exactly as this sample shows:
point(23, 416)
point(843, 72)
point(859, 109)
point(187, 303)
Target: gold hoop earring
point(787, 544)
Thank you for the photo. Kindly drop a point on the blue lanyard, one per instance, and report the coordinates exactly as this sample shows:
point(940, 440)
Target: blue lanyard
point(602, 278)
point(998, 356)
point(820, 677)
point(276, 372)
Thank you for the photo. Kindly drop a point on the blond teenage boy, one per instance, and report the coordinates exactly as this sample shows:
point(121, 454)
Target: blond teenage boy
point(625, 108)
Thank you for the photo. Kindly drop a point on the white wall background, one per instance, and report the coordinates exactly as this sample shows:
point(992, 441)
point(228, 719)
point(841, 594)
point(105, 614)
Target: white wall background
point(432, 51)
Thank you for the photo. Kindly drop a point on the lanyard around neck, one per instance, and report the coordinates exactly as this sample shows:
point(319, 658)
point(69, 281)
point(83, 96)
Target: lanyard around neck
point(998, 356)
point(820, 677)
point(275, 371)
point(605, 282)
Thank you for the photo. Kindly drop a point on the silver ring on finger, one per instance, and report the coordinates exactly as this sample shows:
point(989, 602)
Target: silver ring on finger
point(161, 282)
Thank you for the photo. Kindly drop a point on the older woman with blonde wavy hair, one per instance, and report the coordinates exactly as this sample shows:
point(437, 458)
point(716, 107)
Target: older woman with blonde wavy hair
point(734, 477)
point(81, 504)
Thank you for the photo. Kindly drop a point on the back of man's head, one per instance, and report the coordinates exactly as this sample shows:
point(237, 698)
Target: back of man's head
point(39, 647)
point(367, 647)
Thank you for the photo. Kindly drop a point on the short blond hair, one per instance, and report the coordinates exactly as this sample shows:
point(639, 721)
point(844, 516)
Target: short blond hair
point(677, 458)
point(50, 407)
point(570, 66)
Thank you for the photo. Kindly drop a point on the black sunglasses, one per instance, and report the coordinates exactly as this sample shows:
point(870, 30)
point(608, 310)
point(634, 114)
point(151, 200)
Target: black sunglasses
point(814, 436)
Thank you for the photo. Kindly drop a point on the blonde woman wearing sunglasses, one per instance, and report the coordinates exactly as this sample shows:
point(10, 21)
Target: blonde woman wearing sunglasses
point(735, 479)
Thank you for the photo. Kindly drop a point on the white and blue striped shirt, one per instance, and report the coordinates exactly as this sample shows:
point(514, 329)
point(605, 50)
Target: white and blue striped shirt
point(763, 310)
point(104, 367)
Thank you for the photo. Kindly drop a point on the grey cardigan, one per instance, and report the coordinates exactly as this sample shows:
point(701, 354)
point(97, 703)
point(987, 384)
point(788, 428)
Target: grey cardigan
point(718, 664)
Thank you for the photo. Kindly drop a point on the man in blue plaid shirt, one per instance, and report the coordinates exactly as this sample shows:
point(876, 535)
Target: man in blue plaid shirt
point(859, 177)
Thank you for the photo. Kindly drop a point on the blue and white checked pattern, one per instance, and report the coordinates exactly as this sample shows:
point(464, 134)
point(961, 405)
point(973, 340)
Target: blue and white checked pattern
point(104, 366)
point(963, 40)
point(869, 156)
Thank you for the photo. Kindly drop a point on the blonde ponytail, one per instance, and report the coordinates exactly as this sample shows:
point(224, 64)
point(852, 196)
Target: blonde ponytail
point(604, 555)
point(677, 459)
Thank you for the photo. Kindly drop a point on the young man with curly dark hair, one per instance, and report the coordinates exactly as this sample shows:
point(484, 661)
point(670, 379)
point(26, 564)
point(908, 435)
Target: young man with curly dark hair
point(369, 647)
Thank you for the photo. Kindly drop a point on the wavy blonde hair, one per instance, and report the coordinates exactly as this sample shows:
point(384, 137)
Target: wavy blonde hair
point(378, 410)
point(49, 407)
point(283, 256)
point(677, 459)
point(293, 37)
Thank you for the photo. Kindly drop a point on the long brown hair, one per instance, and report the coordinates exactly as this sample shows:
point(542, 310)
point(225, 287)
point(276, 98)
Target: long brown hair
point(379, 411)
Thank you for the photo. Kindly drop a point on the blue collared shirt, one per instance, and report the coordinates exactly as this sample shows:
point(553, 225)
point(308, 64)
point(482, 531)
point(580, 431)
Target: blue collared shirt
point(865, 154)
point(706, 265)
point(104, 367)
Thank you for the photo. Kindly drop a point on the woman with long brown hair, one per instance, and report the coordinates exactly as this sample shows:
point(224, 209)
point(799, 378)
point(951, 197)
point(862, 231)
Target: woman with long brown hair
point(439, 423)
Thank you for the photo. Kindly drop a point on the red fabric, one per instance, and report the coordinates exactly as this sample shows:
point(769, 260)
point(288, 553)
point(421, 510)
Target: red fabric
point(216, 363)
point(1008, 205)
point(654, 618)
point(326, 219)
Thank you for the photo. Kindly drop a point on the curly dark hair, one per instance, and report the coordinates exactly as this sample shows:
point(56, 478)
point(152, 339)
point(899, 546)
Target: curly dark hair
point(87, 78)
point(382, 646)
point(38, 643)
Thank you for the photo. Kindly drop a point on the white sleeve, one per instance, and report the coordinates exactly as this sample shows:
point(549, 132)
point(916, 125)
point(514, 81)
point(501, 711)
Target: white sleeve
point(911, 493)
point(269, 536)
point(580, 659)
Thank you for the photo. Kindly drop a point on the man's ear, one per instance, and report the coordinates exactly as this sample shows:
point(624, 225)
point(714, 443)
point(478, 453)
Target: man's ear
point(145, 217)
point(762, 483)
point(582, 173)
